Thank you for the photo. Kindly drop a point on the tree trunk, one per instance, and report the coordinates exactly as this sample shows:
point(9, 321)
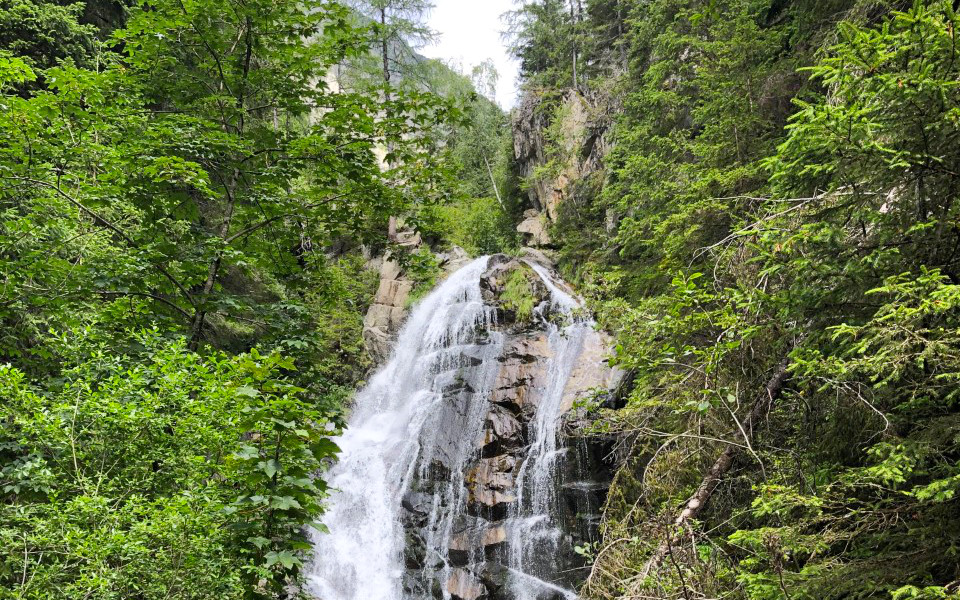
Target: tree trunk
point(493, 182)
point(387, 96)
point(714, 476)
point(385, 54)
point(213, 271)
point(573, 23)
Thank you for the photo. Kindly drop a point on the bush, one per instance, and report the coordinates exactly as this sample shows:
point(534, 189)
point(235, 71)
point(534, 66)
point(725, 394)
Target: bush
point(478, 225)
point(163, 475)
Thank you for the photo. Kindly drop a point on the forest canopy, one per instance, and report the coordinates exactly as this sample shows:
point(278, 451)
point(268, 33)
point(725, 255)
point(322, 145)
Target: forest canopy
point(773, 238)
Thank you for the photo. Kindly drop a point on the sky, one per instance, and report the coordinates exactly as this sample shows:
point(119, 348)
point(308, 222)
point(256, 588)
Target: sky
point(469, 33)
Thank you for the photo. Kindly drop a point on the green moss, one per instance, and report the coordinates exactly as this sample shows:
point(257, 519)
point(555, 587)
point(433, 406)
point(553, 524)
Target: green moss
point(519, 294)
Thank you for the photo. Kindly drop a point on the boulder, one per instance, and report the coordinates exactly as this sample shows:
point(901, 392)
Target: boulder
point(464, 585)
point(534, 230)
point(453, 259)
point(537, 256)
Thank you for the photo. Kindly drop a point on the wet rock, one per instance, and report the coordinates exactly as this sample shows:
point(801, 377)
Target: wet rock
point(413, 587)
point(464, 585)
point(463, 544)
point(496, 578)
point(482, 441)
point(520, 378)
point(501, 432)
point(453, 259)
point(527, 349)
point(485, 535)
point(592, 374)
point(492, 504)
point(476, 542)
point(416, 507)
point(491, 483)
point(460, 556)
point(414, 550)
point(443, 439)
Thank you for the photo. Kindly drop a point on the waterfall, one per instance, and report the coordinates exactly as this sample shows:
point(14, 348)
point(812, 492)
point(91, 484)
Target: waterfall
point(400, 525)
point(534, 533)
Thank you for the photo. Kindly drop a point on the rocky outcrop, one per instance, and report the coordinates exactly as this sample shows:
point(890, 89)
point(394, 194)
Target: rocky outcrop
point(464, 585)
point(592, 374)
point(389, 308)
point(479, 548)
point(453, 259)
point(533, 228)
point(530, 125)
point(558, 169)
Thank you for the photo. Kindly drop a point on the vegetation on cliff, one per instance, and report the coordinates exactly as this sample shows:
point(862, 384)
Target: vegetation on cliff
point(773, 238)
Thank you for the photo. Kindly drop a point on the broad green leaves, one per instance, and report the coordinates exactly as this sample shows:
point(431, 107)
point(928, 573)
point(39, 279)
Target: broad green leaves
point(223, 450)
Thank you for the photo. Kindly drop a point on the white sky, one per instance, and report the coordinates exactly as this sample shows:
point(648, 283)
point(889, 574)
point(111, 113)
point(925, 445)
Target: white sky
point(469, 33)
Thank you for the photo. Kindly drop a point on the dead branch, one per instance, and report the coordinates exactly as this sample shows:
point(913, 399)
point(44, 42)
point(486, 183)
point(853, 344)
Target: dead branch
point(696, 503)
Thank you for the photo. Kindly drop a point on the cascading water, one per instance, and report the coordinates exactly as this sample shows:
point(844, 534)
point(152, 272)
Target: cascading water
point(403, 518)
point(534, 532)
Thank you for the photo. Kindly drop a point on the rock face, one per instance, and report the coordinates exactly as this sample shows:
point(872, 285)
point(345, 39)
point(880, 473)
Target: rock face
point(386, 313)
point(461, 476)
point(534, 229)
point(483, 549)
point(581, 122)
point(389, 308)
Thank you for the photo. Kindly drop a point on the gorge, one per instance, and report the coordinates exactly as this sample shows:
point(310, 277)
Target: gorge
point(290, 311)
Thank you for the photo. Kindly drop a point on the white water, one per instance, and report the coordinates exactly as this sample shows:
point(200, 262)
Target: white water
point(534, 535)
point(426, 407)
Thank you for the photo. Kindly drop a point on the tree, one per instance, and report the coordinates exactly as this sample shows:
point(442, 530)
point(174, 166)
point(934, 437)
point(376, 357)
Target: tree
point(157, 475)
point(240, 155)
point(45, 33)
point(182, 186)
point(787, 306)
point(397, 30)
point(539, 34)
